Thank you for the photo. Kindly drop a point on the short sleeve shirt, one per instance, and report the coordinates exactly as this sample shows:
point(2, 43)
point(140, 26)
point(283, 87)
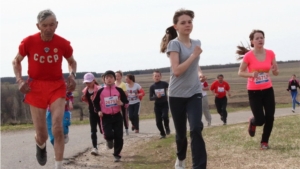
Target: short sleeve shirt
point(187, 84)
point(263, 81)
point(132, 93)
point(45, 58)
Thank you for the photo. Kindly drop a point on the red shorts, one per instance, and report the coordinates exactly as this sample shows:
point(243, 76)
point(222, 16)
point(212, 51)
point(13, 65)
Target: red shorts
point(43, 93)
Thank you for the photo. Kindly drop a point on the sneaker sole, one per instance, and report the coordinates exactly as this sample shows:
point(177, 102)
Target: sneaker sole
point(95, 154)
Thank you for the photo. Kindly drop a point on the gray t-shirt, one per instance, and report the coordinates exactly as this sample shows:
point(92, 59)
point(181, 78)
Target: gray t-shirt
point(187, 84)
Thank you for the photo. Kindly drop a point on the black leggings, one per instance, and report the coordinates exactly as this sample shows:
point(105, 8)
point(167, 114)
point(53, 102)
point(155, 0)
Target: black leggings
point(94, 121)
point(262, 103)
point(190, 109)
point(162, 117)
point(134, 110)
point(221, 104)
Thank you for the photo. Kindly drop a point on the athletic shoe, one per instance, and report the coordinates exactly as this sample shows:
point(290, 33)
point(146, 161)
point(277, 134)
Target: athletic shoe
point(117, 158)
point(136, 131)
point(41, 155)
point(66, 138)
point(224, 123)
point(94, 152)
point(109, 144)
point(208, 124)
point(179, 164)
point(264, 146)
point(132, 128)
point(168, 131)
point(127, 132)
point(251, 128)
point(293, 110)
point(162, 137)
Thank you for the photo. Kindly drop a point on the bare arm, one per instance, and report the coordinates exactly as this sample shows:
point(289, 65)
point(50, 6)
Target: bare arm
point(200, 74)
point(275, 70)
point(71, 84)
point(242, 71)
point(18, 67)
point(72, 64)
point(177, 68)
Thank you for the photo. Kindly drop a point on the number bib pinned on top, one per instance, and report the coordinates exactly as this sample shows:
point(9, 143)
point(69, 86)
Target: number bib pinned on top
point(160, 91)
point(221, 89)
point(262, 78)
point(111, 101)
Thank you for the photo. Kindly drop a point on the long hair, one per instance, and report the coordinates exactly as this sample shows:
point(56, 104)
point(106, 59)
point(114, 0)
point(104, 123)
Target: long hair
point(170, 31)
point(242, 50)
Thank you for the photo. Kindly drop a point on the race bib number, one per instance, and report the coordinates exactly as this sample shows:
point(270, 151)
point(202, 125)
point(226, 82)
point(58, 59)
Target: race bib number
point(262, 78)
point(111, 101)
point(160, 91)
point(221, 89)
point(293, 87)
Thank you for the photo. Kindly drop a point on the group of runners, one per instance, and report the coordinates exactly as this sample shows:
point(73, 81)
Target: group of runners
point(46, 91)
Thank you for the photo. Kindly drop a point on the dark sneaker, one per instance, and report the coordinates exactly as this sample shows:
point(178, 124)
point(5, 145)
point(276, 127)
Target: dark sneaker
point(162, 137)
point(110, 144)
point(117, 158)
point(264, 146)
point(251, 128)
point(168, 131)
point(41, 155)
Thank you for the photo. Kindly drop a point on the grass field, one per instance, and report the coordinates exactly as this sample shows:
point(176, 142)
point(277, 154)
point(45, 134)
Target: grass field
point(230, 147)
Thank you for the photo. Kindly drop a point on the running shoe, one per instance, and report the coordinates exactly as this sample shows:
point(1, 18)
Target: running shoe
point(162, 137)
point(94, 152)
point(41, 155)
point(209, 124)
point(66, 136)
point(109, 144)
point(168, 131)
point(251, 128)
point(117, 158)
point(264, 146)
point(132, 128)
point(127, 132)
point(293, 110)
point(136, 131)
point(179, 164)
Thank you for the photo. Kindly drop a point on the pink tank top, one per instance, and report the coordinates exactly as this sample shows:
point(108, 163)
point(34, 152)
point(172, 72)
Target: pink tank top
point(263, 81)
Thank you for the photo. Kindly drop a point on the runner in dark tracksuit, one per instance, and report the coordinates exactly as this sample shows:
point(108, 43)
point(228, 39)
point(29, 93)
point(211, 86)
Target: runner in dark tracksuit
point(158, 93)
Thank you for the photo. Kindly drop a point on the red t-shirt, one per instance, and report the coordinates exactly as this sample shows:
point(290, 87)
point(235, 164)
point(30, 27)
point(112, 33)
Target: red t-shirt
point(220, 88)
point(45, 58)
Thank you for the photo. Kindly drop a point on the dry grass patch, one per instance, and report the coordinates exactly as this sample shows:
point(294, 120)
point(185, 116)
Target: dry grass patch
point(230, 147)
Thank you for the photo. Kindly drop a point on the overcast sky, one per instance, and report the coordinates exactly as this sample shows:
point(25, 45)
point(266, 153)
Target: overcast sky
point(125, 35)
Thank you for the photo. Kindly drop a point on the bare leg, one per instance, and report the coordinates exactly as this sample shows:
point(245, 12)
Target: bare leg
point(57, 111)
point(39, 121)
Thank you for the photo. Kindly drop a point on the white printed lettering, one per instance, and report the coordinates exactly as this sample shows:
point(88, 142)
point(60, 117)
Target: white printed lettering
point(49, 59)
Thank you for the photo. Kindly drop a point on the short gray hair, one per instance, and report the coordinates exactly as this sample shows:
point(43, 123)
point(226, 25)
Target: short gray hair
point(44, 14)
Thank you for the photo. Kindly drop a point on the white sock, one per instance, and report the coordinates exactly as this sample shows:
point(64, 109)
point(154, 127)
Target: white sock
point(41, 146)
point(58, 164)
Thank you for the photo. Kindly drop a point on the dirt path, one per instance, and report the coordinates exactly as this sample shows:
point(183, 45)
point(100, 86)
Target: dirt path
point(18, 148)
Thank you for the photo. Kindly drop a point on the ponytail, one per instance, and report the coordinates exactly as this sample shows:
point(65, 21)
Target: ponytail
point(242, 50)
point(170, 35)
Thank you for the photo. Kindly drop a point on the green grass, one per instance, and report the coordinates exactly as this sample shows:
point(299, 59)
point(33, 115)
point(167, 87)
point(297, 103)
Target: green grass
point(230, 147)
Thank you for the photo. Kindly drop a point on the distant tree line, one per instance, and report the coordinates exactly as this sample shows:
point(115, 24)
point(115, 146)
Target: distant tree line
point(79, 75)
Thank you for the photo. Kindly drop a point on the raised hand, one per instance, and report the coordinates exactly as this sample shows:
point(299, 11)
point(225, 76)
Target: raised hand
point(197, 51)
